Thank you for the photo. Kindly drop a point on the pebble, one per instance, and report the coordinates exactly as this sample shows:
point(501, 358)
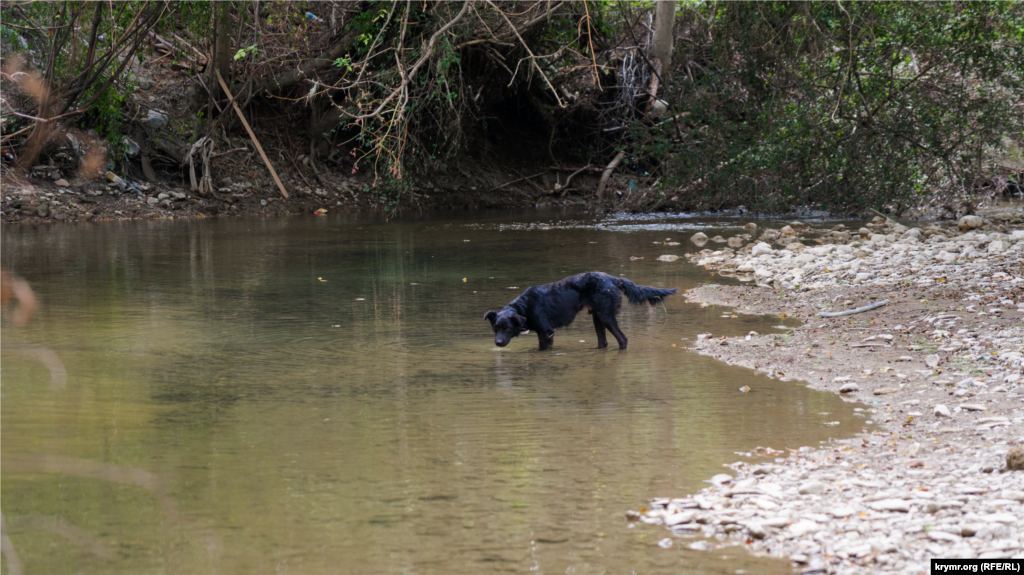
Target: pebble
point(849, 387)
point(813, 487)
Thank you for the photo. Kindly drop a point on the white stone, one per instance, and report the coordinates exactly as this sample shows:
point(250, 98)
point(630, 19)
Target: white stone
point(997, 247)
point(681, 517)
point(941, 411)
point(890, 505)
point(760, 249)
point(844, 511)
point(812, 488)
point(721, 478)
point(803, 527)
point(970, 223)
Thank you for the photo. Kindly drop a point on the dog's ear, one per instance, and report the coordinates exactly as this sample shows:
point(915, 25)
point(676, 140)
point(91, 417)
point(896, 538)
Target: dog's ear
point(490, 315)
point(521, 321)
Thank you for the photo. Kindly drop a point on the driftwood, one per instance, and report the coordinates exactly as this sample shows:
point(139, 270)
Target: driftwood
point(861, 309)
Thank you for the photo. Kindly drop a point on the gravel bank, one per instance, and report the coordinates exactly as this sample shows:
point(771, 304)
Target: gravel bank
point(937, 369)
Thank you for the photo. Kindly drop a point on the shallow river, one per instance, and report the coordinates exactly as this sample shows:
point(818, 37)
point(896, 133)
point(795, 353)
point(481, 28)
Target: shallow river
point(324, 396)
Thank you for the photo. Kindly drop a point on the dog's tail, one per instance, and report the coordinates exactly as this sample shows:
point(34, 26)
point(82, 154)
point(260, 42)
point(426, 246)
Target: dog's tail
point(640, 294)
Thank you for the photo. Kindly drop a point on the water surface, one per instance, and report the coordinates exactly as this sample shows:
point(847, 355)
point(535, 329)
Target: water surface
point(324, 396)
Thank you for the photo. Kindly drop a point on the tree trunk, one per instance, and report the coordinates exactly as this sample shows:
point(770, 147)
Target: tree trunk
point(663, 38)
point(221, 47)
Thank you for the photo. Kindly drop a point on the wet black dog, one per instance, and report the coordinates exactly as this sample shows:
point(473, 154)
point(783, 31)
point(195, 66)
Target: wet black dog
point(543, 308)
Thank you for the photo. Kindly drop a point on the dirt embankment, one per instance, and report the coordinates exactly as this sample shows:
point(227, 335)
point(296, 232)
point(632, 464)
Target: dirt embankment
point(937, 369)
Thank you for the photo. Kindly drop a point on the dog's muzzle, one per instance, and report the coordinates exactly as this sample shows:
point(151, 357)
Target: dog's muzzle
point(500, 342)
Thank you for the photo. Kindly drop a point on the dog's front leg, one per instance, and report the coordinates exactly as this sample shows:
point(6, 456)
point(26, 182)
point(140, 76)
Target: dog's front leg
point(602, 337)
point(546, 338)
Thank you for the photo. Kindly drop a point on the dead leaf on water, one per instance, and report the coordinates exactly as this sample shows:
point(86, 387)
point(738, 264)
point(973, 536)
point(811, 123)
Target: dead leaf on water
point(745, 389)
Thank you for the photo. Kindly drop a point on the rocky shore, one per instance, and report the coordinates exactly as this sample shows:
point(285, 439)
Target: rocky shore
point(931, 347)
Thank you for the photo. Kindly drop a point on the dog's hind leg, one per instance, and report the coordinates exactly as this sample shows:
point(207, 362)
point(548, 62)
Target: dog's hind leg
point(613, 326)
point(546, 338)
point(602, 338)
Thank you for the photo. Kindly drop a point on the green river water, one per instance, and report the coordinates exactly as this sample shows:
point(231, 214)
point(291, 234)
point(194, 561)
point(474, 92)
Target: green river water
point(324, 396)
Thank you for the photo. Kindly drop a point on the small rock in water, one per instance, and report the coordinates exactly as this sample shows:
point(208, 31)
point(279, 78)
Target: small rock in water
point(849, 387)
point(665, 543)
point(668, 258)
point(721, 479)
point(699, 238)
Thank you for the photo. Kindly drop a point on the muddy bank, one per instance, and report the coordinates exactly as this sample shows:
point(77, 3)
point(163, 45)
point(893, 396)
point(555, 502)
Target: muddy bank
point(936, 371)
point(50, 194)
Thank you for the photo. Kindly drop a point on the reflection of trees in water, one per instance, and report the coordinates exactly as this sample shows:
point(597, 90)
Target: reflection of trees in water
point(17, 289)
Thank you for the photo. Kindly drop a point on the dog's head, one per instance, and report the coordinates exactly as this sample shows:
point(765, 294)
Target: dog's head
point(507, 324)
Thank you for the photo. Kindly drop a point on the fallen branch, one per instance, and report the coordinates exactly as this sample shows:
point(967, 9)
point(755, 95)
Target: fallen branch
point(232, 150)
point(861, 309)
point(519, 180)
point(569, 179)
point(259, 148)
point(608, 173)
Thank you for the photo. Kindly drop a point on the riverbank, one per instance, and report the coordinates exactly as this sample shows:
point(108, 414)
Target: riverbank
point(936, 371)
point(52, 196)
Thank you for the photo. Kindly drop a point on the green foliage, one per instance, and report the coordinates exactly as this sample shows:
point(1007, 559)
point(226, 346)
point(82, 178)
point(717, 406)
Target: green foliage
point(246, 52)
point(845, 105)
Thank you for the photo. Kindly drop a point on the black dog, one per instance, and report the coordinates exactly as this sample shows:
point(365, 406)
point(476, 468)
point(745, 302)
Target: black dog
point(543, 308)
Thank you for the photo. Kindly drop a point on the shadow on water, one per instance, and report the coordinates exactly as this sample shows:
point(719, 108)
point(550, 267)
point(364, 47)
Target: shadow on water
point(323, 395)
